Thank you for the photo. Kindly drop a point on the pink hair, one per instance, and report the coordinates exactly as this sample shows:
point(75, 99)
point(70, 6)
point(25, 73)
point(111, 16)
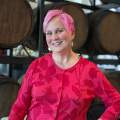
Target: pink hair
point(65, 18)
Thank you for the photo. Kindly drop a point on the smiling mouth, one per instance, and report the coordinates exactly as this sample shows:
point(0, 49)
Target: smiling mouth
point(57, 43)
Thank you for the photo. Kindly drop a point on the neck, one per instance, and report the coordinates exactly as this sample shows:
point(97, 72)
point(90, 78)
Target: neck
point(66, 59)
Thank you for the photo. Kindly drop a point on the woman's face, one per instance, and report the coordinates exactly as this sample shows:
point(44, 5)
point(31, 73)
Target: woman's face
point(57, 37)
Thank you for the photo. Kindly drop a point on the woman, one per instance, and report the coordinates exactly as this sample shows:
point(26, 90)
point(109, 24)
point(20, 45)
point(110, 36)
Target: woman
point(61, 85)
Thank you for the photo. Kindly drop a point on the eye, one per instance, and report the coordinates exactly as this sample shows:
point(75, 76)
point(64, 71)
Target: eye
point(59, 30)
point(48, 33)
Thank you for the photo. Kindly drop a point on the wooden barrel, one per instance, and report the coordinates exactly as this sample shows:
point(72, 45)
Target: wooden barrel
point(15, 22)
point(81, 22)
point(8, 92)
point(105, 31)
point(32, 40)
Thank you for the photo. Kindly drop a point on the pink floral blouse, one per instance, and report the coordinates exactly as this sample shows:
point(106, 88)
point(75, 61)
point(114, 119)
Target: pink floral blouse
point(51, 93)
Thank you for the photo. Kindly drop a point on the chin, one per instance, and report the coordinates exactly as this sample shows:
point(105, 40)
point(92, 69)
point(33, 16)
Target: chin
point(58, 51)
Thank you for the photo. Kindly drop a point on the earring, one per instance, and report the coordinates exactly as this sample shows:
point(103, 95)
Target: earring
point(49, 49)
point(72, 44)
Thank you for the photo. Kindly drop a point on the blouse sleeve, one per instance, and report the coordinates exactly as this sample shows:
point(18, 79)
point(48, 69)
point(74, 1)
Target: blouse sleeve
point(107, 93)
point(20, 107)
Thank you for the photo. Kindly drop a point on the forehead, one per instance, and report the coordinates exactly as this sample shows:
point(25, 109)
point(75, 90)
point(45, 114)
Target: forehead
point(55, 23)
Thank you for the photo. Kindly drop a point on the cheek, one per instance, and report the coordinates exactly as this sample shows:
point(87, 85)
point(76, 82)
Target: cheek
point(48, 39)
point(63, 36)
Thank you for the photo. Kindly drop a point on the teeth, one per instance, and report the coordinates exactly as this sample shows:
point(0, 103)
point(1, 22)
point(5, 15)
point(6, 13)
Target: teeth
point(57, 43)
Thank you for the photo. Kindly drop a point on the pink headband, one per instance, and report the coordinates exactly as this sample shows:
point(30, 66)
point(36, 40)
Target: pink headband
point(65, 18)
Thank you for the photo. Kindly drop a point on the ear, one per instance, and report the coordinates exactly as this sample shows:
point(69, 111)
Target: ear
point(73, 35)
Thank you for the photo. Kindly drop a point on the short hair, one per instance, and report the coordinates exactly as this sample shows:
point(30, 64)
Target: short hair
point(65, 18)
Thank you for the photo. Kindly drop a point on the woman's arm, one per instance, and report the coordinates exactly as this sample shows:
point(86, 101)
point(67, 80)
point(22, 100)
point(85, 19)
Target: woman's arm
point(107, 93)
point(20, 107)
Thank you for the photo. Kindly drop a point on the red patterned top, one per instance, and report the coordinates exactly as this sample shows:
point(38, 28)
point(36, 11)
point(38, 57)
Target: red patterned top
point(51, 93)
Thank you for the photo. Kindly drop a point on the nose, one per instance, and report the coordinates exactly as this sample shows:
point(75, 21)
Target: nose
point(55, 36)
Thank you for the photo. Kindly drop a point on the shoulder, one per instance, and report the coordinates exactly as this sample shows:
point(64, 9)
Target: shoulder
point(42, 60)
point(38, 65)
point(89, 67)
point(87, 63)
